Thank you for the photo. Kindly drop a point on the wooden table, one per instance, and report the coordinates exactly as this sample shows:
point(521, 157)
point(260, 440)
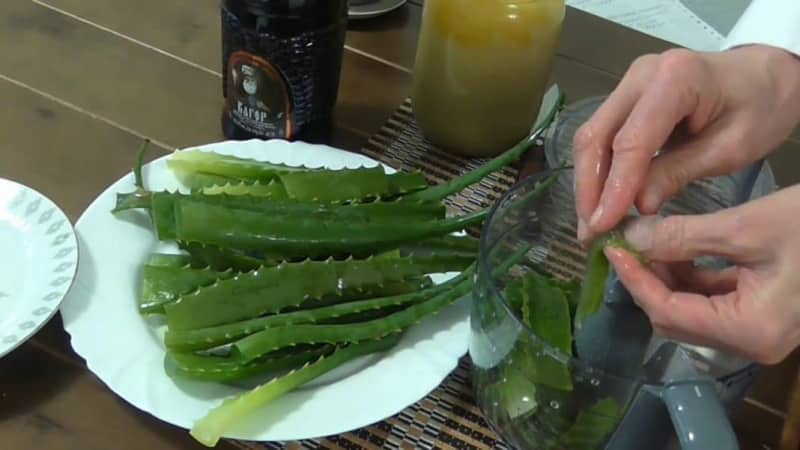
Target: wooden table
point(82, 82)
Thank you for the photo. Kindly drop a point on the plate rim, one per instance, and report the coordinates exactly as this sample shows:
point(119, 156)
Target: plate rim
point(7, 346)
point(446, 367)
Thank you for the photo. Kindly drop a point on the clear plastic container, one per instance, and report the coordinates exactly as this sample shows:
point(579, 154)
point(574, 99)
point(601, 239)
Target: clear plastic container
point(538, 396)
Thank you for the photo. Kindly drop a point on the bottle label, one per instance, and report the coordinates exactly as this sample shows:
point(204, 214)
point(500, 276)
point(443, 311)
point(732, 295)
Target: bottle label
point(258, 96)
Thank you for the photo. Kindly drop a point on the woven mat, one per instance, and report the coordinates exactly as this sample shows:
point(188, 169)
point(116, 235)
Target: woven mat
point(448, 417)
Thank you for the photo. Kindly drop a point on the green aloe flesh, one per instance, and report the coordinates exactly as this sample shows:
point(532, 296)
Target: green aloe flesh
point(210, 337)
point(199, 169)
point(286, 272)
point(276, 338)
point(598, 268)
point(272, 289)
point(210, 428)
point(185, 164)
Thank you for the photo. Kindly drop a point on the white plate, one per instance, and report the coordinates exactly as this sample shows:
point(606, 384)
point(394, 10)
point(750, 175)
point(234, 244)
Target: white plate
point(374, 8)
point(38, 259)
point(127, 354)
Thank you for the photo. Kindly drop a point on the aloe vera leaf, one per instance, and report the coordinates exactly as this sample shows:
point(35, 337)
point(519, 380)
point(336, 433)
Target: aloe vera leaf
point(199, 180)
point(272, 289)
point(593, 426)
point(347, 185)
point(299, 182)
point(387, 289)
point(140, 195)
point(138, 180)
point(186, 164)
point(163, 203)
point(545, 311)
point(270, 339)
point(362, 316)
point(555, 415)
point(273, 189)
point(168, 260)
point(225, 368)
point(516, 393)
point(162, 213)
point(571, 290)
point(327, 307)
point(221, 259)
point(205, 338)
point(336, 185)
point(300, 237)
point(131, 200)
point(406, 182)
point(598, 268)
point(441, 191)
point(529, 360)
point(458, 183)
point(210, 428)
point(448, 244)
point(163, 284)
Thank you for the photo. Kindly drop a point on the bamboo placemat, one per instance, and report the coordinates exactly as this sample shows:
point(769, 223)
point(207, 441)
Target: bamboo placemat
point(448, 417)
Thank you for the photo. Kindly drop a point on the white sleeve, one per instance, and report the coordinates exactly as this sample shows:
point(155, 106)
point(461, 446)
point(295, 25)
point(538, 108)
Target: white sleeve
point(769, 22)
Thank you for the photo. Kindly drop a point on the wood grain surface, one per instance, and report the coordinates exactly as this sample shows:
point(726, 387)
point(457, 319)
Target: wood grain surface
point(83, 82)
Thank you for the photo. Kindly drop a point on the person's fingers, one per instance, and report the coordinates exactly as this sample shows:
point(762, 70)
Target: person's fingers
point(593, 140)
point(732, 322)
point(692, 318)
point(712, 153)
point(666, 272)
point(707, 281)
point(684, 276)
point(685, 237)
point(675, 93)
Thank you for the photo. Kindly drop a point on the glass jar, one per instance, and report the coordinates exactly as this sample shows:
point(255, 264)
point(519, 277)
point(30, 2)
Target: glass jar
point(482, 67)
point(281, 63)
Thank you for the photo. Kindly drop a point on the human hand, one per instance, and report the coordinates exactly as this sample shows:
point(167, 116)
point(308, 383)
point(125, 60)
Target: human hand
point(751, 308)
point(713, 113)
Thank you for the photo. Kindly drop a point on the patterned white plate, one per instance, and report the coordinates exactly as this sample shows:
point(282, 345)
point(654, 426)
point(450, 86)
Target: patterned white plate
point(38, 261)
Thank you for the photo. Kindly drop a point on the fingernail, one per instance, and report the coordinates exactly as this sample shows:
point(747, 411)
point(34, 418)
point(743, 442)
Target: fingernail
point(651, 201)
point(583, 230)
point(613, 254)
point(596, 216)
point(639, 233)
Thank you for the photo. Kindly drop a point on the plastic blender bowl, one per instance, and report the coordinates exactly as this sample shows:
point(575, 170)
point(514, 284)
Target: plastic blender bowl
point(638, 390)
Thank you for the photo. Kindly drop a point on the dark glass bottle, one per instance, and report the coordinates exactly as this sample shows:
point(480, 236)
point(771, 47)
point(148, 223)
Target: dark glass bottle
point(281, 63)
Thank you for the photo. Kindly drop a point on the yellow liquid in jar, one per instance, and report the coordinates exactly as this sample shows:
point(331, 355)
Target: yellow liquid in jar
point(481, 69)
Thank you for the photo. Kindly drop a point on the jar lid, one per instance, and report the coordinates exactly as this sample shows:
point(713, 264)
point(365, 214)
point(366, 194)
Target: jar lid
point(306, 12)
